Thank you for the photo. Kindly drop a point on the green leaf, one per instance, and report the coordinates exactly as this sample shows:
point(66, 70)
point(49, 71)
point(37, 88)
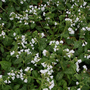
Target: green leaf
point(17, 8)
point(69, 71)
point(77, 44)
point(7, 87)
point(59, 76)
point(18, 61)
point(78, 77)
point(29, 79)
point(23, 88)
point(73, 88)
point(63, 83)
point(34, 73)
point(46, 27)
point(33, 25)
point(0, 3)
point(16, 87)
point(2, 49)
point(5, 65)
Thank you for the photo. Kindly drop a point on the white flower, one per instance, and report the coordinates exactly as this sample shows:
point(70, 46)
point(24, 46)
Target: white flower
point(52, 84)
point(43, 13)
point(85, 67)
point(44, 52)
point(77, 67)
point(67, 50)
point(11, 53)
point(57, 42)
point(14, 34)
point(0, 76)
point(27, 69)
point(84, 3)
point(25, 80)
point(68, 19)
point(43, 71)
point(42, 35)
point(3, 33)
point(55, 23)
point(71, 31)
point(83, 29)
point(13, 78)
point(13, 74)
point(45, 89)
point(5, 81)
point(21, 2)
point(77, 83)
point(9, 82)
point(83, 44)
point(71, 51)
point(3, 0)
point(17, 76)
point(61, 41)
point(79, 61)
point(11, 18)
point(42, 8)
point(88, 56)
point(78, 89)
point(68, 88)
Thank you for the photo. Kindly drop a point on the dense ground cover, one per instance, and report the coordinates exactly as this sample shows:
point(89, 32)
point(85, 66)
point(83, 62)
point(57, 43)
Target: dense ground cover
point(44, 44)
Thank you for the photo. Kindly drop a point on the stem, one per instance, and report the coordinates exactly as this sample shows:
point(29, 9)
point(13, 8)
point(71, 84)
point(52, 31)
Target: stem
point(2, 9)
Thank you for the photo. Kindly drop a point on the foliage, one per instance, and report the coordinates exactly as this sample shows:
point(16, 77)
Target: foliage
point(44, 45)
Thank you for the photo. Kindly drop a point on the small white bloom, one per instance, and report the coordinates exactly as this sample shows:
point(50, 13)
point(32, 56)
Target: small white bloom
point(43, 71)
point(17, 76)
point(68, 88)
point(52, 84)
point(11, 53)
point(83, 29)
point(43, 13)
point(68, 19)
point(0, 76)
point(21, 2)
point(79, 61)
point(3, 33)
point(25, 80)
point(11, 18)
point(5, 81)
point(42, 8)
point(42, 35)
point(57, 42)
point(3, 0)
point(13, 74)
point(55, 23)
point(83, 44)
point(22, 78)
point(84, 3)
point(71, 31)
point(78, 89)
point(77, 67)
point(9, 82)
point(85, 67)
point(61, 41)
point(13, 78)
point(71, 51)
point(45, 89)
point(44, 52)
point(27, 69)
point(77, 83)
point(14, 34)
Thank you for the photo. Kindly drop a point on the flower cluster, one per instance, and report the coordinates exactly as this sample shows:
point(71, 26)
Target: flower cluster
point(3, 34)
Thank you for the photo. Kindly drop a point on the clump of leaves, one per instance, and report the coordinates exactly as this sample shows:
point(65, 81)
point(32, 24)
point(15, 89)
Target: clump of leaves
point(44, 45)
